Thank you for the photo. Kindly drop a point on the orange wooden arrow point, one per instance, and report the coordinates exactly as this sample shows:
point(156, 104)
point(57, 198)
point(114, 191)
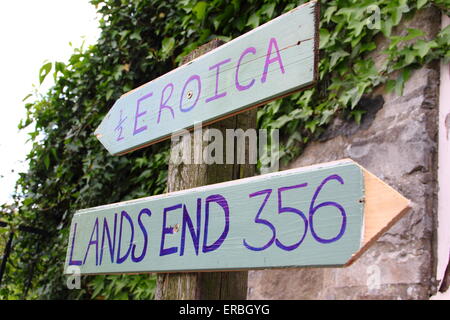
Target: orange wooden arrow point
point(383, 207)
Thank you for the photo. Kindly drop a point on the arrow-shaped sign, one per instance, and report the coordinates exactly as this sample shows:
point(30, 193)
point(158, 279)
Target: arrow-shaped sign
point(322, 215)
point(271, 61)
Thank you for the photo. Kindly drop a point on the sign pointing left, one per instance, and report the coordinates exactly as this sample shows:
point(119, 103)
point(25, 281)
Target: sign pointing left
point(273, 60)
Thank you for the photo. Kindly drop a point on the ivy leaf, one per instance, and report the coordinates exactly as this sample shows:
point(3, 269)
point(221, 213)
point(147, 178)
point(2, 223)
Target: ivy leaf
point(167, 46)
point(216, 22)
point(59, 67)
point(253, 21)
point(337, 57)
point(136, 36)
point(397, 12)
point(239, 24)
point(312, 125)
point(390, 85)
point(444, 35)
point(99, 283)
point(358, 26)
point(412, 34)
point(28, 201)
point(324, 38)
point(423, 47)
point(421, 3)
point(410, 56)
point(268, 9)
point(357, 94)
point(200, 10)
point(109, 93)
point(368, 46)
point(357, 115)
point(329, 13)
point(347, 12)
point(47, 161)
point(45, 70)
point(224, 38)
point(386, 27)
point(401, 80)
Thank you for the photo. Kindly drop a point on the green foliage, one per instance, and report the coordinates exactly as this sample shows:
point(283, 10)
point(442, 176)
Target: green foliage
point(143, 39)
point(123, 287)
point(45, 70)
point(4, 234)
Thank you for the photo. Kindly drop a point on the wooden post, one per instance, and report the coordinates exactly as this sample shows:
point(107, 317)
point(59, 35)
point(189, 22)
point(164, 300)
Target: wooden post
point(207, 285)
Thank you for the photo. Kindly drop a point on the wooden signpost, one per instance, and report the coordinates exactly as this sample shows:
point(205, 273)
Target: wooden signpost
point(322, 215)
point(273, 60)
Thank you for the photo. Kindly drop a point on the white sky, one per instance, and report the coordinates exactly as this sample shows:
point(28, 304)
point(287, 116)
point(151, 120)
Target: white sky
point(32, 31)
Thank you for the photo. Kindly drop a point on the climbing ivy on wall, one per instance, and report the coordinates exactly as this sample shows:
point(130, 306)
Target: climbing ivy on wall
point(143, 39)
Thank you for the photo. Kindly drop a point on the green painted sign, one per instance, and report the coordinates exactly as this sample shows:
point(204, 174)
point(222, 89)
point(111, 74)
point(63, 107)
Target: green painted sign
point(273, 60)
point(311, 216)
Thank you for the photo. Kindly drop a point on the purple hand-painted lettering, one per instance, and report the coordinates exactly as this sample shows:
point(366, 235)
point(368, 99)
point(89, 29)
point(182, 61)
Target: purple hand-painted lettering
point(282, 209)
point(217, 95)
point(167, 230)
point(313, 208)
point(239, 86)
point(140, 114)
point(272, 43)
point(195, 235)
point(259, 220)
point(145, 235)
point(163, 103)
point(308, 222)
point(222, 202)
point(93, 242)
point(71, 261)
point(111, 244)
point(121, 259)
point(199, 84)
point(120, 127)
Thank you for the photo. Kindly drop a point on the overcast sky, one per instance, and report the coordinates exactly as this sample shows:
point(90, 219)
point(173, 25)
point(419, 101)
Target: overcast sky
point(32, 32)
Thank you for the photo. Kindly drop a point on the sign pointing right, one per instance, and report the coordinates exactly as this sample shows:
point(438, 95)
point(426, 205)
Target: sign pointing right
point(322, 215)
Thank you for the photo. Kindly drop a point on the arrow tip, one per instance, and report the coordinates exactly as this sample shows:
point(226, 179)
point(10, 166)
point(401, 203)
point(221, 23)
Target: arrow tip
point(383, 207)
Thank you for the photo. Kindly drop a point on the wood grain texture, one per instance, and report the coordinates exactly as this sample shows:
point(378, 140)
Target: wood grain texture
point(271, 61)
point(383, 207)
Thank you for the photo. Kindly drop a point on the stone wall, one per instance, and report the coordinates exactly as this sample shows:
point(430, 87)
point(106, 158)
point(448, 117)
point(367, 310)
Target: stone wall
point(397, 141)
